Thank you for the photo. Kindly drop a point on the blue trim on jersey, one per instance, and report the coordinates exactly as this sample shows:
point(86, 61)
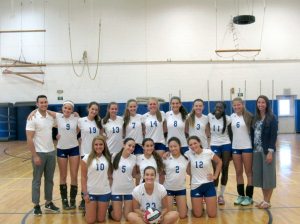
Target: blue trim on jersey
point(160, 146)
point(138, 149)
point(176, 193)
point(220, 148)
point(241, 151)
point(204, 190)
point(120, 197)
point(65, 153)
point(100, 197)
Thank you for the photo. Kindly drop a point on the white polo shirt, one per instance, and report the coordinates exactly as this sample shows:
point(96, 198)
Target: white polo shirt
point(42, 126)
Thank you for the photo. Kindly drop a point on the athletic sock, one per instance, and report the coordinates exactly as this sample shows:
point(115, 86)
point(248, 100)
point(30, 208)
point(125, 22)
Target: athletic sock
point(249, 191)
point(222, 190)
point(240, 189)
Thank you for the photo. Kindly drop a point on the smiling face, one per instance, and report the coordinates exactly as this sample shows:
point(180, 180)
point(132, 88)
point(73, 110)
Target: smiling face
point(132, 107)
point(149, 175)
point(194, 145)
point(67, 109)
point(129, 147)
point(198, 108)
point(98, 147)
point(42, 104)
point(175, 105)
point(238, 107)
point(113, 110)
point(261, 105)
point(174, 148)
point(152, 106)
point(93, 110)
point(219, 110)
point(148, 147)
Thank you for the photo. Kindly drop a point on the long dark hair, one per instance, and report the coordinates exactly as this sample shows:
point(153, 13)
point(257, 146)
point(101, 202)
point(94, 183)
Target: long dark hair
point(119, 154)
point(107, 115)
point(175, 139)
point(157, 158)
point(97, 117)
point(182, 110)
point(223, 115)
point(105, 152)
point(269, 113)
point(194, 137)
point(191, 117)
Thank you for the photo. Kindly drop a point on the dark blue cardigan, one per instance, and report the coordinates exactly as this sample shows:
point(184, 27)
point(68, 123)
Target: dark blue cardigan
point(269, 134)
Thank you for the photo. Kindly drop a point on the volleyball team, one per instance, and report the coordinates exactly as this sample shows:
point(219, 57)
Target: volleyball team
point(134, 162)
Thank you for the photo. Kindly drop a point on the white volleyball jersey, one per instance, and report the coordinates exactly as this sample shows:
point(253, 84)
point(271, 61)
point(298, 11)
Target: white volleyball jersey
point(201, 166)
point(176, 127)
point(123, 182)
point(175, 169)
point(67, 129)
point(241, 137)
point(134, 129)
point(143, 162)
point(154, 128)
point(216, 126)
point(199, 129)
point(114, 133)
point(42, 126)
point(88, 130)
point(97, 176)
point(149, 201)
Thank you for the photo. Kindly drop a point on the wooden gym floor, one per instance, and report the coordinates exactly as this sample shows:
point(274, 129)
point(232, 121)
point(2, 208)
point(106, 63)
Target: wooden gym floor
point(16, 176)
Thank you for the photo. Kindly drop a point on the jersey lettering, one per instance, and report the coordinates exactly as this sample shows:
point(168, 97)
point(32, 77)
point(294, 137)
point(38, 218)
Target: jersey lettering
point(153, 123)
point(92, 130)
point(150, 205)
point(199, 164)
point(100, 166)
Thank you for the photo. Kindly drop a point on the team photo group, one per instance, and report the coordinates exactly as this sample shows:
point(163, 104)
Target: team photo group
point(144, 168)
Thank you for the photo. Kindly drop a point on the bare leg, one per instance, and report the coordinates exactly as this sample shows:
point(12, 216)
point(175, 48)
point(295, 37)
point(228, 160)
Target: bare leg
point(117, 210)
point(90, 212)
point(197, 207)
point(74, 166)
point(181, 206)
point(63, 169)
point(101, 211)
point(170, 218)
point(134, 218)
point(211, 206)
point(127, 208)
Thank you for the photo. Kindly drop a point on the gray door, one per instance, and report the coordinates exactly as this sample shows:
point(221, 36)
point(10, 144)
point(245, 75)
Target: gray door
point(286, 113)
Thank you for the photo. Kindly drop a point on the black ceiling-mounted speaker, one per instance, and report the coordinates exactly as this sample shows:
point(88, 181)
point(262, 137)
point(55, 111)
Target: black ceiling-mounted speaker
point(243, 19)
